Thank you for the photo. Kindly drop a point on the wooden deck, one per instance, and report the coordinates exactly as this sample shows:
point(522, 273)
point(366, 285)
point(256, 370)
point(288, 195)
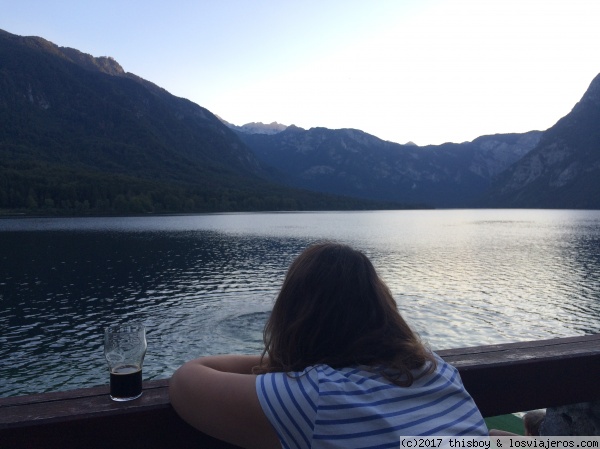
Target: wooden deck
point(501, 378)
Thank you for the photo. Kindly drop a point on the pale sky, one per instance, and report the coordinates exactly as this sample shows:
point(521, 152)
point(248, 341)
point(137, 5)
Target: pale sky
point(426, 71)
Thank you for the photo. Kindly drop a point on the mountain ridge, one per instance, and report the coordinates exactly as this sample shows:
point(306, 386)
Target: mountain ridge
point(555, 168)
point(80, 135)
point(563, 171)
point(256, 127)
point(73, 86)
point(352, 161)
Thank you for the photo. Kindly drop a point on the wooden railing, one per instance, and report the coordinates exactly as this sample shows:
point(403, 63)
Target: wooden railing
point(501, 378)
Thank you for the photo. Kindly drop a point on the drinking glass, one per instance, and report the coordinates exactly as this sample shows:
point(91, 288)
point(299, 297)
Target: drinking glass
point(124, 348)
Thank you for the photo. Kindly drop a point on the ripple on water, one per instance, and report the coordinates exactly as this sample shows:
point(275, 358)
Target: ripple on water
point(205, 285)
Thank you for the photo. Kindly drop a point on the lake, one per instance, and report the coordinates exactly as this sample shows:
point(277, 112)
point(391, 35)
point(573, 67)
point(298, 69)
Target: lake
point(204, 284)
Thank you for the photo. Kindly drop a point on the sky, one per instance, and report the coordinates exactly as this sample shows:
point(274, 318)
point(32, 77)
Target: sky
point(425, 71)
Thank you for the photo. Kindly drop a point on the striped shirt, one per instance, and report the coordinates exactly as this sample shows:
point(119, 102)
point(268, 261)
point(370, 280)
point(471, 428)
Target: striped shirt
point(322, 407)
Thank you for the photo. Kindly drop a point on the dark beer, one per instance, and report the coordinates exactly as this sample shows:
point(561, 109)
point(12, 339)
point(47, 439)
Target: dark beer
point(125, 382)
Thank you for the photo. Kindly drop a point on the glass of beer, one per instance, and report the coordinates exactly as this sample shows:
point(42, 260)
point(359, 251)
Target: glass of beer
point(124, 348)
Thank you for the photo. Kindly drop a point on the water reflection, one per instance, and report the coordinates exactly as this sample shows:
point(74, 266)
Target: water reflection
point(205, 284)
point(60, 289)
point(501, 278)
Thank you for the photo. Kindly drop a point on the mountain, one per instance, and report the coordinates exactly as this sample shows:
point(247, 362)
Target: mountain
point(67, 94)
point(257, 127)
point(78, 134)
point(351, 162)
point(563, 171)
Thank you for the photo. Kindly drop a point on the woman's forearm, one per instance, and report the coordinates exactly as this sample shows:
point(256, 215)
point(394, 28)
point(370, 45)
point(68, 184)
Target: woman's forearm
point(240, 364)
point(217, 395)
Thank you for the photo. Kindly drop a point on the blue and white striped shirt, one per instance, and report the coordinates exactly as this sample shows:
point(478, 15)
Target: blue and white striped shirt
point(322, 407)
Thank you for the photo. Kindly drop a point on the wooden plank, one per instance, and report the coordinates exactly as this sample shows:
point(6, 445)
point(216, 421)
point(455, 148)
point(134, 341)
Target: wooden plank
point(72, 394)
point(501, 378)
point(522, 350)
point(518, 345)
point(524, 376)
point(89, 418)
point(94, 406)
point(141, 430)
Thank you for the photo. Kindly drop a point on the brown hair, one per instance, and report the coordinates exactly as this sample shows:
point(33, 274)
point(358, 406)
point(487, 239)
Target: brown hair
point(334, 309)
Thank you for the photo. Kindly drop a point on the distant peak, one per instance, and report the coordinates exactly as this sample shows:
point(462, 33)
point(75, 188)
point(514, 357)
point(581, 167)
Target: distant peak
point(294, 128)
point(104, 64)
point(593, 91)
point(257, 127)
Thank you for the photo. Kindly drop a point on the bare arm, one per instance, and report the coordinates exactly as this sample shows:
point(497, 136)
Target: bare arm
point(240, 364)
point(217, 395)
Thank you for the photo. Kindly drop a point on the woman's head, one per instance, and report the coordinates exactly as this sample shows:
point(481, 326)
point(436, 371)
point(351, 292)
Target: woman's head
point(333, 308)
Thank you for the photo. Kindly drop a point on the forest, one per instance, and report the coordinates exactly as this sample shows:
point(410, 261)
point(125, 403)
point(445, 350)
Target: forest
point(38, 188)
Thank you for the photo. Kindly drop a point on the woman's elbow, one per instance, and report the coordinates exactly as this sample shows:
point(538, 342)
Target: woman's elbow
point(179, 388)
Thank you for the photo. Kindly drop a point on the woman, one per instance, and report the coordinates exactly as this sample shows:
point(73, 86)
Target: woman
point(340, 368)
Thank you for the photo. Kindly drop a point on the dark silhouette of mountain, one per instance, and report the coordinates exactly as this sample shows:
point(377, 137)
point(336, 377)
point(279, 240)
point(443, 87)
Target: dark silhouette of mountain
point(87, 110)
point(351, 162)
point(79, 134)
point(563, 171)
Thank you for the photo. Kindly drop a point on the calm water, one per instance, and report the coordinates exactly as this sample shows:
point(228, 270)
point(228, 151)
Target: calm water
point(205, 284)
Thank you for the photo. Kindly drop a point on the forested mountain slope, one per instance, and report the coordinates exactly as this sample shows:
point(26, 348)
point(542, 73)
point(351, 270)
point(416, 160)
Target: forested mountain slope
point(563, 171)
point(351, 162)
point(78, 133)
